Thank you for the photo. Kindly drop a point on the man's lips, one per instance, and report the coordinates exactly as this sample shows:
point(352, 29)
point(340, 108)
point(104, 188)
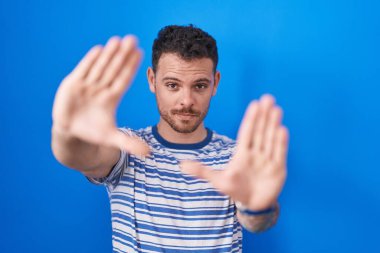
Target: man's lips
point(185, 116)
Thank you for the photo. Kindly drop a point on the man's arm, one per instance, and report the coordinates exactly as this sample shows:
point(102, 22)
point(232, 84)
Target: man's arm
point(256, 173)
point(84, 132)
point(258, 221)
point(92, 160)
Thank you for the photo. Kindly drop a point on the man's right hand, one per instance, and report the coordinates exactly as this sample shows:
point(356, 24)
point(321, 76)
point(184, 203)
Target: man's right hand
point(86, 101)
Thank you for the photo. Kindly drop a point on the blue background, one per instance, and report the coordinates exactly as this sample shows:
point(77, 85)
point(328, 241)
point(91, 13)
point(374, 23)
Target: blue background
point(319, 58)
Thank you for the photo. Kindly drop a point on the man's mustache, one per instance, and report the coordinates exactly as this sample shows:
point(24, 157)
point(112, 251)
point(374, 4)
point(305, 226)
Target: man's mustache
point(186, 111)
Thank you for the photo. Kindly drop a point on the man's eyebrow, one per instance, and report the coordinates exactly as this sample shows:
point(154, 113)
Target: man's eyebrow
point(202, 80)
point(199, 80)
point(171, 79)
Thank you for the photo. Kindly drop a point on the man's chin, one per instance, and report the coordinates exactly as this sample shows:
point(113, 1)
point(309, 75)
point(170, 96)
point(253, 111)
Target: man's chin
point(184, 126)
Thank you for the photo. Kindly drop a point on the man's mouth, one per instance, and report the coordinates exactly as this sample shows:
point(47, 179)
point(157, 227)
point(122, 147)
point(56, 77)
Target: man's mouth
point(185, 116)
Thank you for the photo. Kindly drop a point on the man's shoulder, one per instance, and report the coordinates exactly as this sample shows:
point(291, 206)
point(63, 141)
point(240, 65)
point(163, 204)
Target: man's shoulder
point(137, 132)
point(142, 133)
point(222, 137)
point(221, 140)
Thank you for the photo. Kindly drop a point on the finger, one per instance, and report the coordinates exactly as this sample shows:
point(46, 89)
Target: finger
point(215, 177)
point(244, 139)
point(280, 150)
point(87, 61)
point(274, 120)
point(132, 145)
point(198, 170)
point(266, 103)
point(120, 59)
point(98, 68)
point(122, 82)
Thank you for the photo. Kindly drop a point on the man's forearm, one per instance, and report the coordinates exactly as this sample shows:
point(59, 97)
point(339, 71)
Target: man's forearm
point(259, 222)
point(82, 156)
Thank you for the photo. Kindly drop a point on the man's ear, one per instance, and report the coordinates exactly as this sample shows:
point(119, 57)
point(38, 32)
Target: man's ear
point(151, 79)
point(216, 82)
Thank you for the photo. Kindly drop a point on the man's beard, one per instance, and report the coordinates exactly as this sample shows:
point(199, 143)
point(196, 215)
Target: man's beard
point(187, 126)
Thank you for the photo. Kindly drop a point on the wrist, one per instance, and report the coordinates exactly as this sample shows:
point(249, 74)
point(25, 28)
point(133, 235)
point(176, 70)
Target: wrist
point(247, 211)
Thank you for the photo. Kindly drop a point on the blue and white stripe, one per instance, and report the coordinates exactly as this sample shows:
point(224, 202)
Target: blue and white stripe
point(157, 208)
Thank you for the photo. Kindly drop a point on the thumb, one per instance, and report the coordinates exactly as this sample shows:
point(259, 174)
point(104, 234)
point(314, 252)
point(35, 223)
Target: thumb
point(132, 145)
point(198, 170)
point(215, 177)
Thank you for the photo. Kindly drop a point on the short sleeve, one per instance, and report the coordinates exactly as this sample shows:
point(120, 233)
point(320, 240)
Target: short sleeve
point(115, 175)
point(113, 178)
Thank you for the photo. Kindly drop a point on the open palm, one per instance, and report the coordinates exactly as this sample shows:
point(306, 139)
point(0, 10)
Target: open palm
point(87, 99)
point(256, 173)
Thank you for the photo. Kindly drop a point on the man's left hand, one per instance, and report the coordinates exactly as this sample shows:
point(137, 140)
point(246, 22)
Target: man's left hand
point(256, 173)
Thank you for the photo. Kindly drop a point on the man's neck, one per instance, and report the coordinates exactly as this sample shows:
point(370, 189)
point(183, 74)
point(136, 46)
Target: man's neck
point(169, 134)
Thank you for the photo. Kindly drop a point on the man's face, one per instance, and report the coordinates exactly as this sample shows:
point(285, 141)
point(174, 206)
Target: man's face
point(183, 90)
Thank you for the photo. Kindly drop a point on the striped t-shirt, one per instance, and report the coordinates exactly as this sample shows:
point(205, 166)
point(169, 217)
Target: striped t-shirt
point(157, 208)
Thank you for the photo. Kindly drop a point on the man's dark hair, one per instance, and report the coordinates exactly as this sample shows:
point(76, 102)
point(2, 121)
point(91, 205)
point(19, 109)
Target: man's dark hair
point(188, 42)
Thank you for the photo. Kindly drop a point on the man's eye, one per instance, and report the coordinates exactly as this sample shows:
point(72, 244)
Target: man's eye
point(172, 86)
point(201, 86)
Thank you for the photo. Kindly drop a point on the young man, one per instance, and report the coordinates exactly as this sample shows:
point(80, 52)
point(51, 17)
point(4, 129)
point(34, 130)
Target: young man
point(176, 186)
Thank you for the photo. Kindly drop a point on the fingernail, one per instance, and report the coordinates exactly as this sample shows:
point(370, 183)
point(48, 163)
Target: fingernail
point(130, 37)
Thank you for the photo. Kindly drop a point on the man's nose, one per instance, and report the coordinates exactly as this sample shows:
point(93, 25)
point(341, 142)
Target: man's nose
point(187, 98)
